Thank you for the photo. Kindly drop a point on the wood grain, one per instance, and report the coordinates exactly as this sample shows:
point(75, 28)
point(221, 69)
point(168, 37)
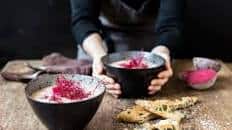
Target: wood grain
point(213, 113)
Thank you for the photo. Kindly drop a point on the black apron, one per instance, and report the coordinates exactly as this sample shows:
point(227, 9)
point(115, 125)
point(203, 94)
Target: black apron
point(125, 28)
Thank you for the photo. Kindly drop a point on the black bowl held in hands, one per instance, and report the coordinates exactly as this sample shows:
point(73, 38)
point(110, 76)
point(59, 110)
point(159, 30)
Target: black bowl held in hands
point(134, 81)
point(67, 115)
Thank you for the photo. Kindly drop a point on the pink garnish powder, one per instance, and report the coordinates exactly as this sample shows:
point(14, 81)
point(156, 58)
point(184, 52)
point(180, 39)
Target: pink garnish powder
point(68, 89)
point(199, 76)
point(135, 63)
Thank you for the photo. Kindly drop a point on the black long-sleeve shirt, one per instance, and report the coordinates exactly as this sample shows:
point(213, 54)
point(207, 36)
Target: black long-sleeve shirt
point(85, 19)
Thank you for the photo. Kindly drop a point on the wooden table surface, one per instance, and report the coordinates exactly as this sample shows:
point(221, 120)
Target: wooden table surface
point(214, 112)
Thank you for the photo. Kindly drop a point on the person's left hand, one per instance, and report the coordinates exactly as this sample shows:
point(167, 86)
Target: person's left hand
point(163, 77)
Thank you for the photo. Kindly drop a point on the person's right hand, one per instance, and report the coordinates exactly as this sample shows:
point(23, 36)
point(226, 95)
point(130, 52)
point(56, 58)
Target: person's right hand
point(98, 71)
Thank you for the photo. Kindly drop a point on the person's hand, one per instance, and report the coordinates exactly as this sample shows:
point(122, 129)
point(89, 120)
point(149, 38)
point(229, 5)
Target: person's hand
point(95, 47)
point(163, 77)
point(111, 86)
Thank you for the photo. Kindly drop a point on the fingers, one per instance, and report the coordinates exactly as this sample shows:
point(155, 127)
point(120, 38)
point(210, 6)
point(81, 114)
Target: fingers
point(113, 86)
point(169, 68)
point(165, 74)
point(105, 79)
point(153, 89)
point(164, 52)
point(114, 93)
point(156, 85)
point(98, 72)
point(159, 82)
point(114, 90)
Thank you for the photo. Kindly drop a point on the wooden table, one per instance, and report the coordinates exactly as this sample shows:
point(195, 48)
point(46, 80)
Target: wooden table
point(214, 111)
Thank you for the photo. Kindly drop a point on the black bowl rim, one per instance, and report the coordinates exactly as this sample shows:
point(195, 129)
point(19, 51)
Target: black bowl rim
point(74, 102)
point(150, 68)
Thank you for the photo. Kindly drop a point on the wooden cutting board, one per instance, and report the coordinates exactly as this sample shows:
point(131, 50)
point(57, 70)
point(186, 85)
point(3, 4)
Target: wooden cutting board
point(214, 112)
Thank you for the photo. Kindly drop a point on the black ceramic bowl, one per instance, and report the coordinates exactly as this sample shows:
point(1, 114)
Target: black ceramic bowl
point(67, 116)
point(134, 82)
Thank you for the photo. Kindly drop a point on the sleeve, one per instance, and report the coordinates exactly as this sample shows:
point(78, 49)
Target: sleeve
point(85, 20)
point(170, 23)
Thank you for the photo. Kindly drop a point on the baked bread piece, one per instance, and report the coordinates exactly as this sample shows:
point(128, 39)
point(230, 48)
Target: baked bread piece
point(136, 114)
point(167, 105)
point(167, 124)
point(185, 102)
point(157, 105)
point(146, 110)
point(165, 108)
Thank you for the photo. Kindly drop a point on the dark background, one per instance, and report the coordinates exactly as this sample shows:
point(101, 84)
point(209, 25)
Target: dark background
point(34, 28)
point(208, 29)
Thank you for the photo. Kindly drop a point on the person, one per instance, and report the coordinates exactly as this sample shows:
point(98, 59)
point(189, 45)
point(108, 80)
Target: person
point(105, 26)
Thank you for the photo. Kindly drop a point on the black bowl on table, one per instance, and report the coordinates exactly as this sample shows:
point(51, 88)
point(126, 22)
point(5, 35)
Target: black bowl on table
point(134, 82)
point(66, 116)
